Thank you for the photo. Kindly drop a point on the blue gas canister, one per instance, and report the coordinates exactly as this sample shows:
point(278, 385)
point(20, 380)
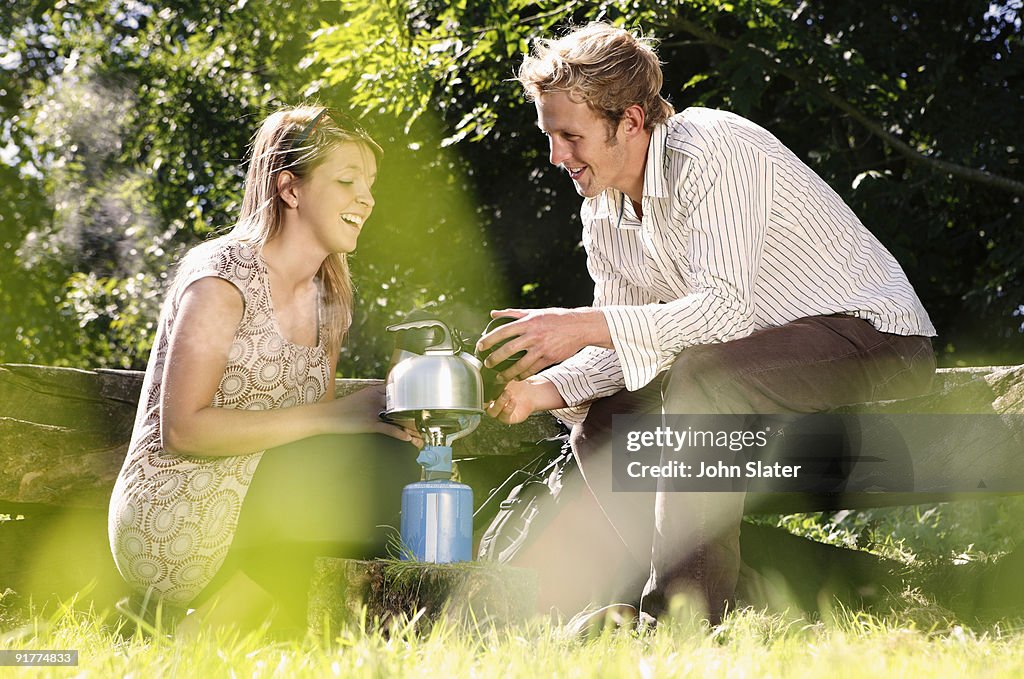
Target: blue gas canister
point(437, 513)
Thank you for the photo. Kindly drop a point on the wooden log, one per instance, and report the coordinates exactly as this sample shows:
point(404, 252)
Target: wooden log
point(1007, 385)
point(963, 439)
point(397, 591)
point(64, 434)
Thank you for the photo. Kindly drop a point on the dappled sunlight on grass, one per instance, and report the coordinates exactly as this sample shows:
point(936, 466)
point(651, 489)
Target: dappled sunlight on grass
point(842, 643)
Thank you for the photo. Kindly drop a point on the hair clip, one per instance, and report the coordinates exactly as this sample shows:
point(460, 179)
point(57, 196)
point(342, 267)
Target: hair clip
point(308, 129)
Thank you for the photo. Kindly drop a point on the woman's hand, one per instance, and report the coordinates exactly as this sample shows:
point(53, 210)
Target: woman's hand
point(359, 413)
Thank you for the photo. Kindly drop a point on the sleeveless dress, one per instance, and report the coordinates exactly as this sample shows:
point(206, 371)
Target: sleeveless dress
point(172, 517)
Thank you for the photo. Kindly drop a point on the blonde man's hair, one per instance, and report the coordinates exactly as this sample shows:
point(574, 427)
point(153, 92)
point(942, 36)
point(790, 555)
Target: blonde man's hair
point(607, 68)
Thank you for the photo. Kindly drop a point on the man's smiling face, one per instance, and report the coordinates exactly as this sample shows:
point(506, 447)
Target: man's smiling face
point(581, 144)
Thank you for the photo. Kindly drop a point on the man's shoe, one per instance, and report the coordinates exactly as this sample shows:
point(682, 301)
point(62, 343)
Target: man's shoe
point(646, 623)
point(588, 624)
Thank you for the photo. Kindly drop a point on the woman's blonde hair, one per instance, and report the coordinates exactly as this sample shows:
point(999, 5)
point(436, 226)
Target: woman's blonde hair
point(298, 139)
point(607, 68)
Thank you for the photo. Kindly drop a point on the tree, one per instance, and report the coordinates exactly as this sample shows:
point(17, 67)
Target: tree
point(909, 110)
point(125, 123)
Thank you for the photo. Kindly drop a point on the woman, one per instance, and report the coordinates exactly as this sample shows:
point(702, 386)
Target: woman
point(242, 465)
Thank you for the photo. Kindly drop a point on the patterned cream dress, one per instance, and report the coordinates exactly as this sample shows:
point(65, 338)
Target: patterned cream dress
point(173, 517)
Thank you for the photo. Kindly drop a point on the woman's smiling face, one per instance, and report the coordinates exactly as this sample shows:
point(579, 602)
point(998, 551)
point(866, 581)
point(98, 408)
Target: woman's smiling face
point(336, 199)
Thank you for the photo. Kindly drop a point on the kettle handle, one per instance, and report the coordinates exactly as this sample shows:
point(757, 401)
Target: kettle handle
point(446, 344)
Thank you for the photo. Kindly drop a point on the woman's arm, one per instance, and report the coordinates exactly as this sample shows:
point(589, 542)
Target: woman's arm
point(208, 317)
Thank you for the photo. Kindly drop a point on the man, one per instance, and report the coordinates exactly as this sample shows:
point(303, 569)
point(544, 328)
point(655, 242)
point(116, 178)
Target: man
point(728, 278)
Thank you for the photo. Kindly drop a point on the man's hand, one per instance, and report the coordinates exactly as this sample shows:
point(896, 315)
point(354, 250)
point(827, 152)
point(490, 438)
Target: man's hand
point(548, 336)
point(519, 400)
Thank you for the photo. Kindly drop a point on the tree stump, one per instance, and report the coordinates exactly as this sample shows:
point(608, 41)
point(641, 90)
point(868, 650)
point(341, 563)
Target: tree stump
point(396, 592)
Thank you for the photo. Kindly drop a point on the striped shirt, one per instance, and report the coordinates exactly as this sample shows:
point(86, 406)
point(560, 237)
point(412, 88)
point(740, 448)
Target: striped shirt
point(737, 235)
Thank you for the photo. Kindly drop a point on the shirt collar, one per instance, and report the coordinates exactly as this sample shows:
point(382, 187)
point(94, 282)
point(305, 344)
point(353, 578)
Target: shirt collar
point(656, 170)
point(612, 201)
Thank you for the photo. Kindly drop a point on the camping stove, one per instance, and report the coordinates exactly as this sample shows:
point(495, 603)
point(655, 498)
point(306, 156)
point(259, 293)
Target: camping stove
point(437, 388)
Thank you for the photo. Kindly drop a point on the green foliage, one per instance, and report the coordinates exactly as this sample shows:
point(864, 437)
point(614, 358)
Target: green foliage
point(425, 247)
point(124, 124)
point(829, 79)
point(951, 532)
point(938, 76)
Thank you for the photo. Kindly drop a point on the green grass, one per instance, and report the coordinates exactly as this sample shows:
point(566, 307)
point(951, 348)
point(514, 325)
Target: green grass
point(910, 634)
point(961, 532)
point(749, 644)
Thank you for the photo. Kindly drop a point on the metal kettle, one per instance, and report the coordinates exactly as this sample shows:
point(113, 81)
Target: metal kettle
point(435, 384)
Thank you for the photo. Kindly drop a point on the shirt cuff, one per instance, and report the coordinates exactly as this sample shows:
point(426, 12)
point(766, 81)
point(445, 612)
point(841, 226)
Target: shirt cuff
point(635, 338)
point(572, 415)
point(589, 375)
point(568, 386)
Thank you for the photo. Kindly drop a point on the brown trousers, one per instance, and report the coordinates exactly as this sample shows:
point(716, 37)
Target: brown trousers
point(691, 539)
